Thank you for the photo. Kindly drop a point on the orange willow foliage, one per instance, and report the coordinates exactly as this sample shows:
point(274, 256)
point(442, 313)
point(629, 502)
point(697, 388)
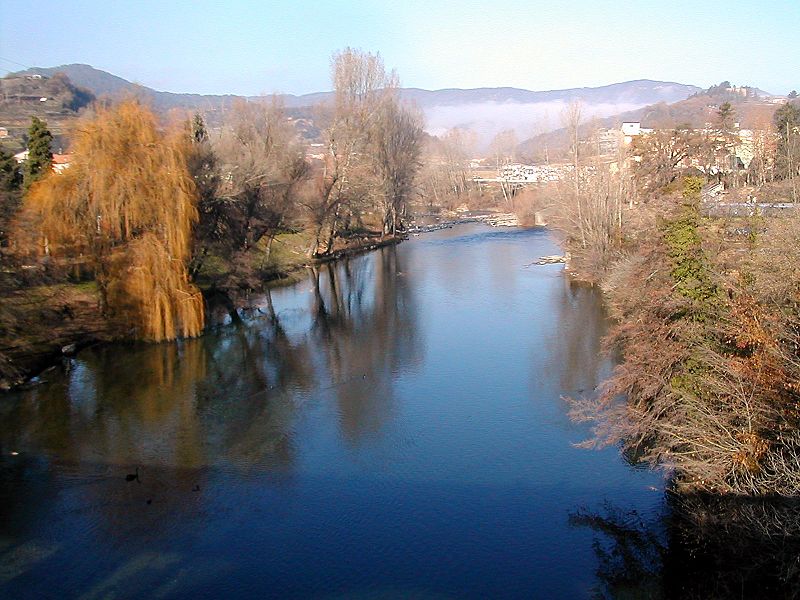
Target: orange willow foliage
point(129, 201)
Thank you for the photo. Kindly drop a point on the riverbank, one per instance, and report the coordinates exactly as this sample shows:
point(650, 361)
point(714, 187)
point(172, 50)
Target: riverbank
point(43, 325)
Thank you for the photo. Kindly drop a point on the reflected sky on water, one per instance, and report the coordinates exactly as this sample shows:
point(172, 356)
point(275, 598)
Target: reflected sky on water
point(391, 426)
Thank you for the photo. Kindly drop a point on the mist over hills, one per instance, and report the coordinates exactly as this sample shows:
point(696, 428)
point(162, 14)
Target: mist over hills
point(486, 111)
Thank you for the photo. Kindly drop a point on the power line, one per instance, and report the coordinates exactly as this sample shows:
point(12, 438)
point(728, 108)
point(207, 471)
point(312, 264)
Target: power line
point(14, 62)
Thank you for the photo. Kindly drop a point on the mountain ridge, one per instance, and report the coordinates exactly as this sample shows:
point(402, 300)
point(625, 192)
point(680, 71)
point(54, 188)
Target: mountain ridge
point(646, 91)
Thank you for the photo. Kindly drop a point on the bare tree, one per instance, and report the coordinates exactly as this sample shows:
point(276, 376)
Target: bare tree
point(445, 178)
point(262, 168)
point(572, 118)
point(504, 148)
point(397, 141)
point(659, 156)
point(362, 87)
point(763, 147)
point(373, 149)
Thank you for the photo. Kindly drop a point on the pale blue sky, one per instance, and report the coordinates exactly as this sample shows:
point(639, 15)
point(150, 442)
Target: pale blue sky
point(250, 47)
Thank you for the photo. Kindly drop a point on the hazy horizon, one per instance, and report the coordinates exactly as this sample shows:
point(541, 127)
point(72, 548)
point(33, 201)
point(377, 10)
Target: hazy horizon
point(21, 67)
point(249, 48)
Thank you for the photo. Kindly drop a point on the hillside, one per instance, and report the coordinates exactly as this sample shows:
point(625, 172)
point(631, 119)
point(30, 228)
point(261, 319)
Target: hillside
point(102, 83)
point(697, 110)
point(55, 99)
point(642, 92)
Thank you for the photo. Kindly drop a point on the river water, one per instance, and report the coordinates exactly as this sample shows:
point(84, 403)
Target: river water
point(391, 426)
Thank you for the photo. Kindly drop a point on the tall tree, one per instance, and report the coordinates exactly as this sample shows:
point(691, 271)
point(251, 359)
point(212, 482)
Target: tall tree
point(203, 166)
point(263, 167)
point(40, 153)
point(725, 115)
point(199, 131)
point(504, 148)
point(659, 156)
point(445, 179)
point(129, 203)
point(726, 139)
point(572, 118)
point(362, 87)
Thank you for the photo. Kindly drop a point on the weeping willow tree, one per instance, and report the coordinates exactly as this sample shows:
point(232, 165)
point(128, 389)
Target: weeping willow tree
point(128, 203)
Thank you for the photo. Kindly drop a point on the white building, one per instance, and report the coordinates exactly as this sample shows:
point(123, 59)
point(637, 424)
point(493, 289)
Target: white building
point(632, 130)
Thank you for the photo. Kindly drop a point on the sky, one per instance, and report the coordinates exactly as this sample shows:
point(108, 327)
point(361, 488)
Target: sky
point(249, 47)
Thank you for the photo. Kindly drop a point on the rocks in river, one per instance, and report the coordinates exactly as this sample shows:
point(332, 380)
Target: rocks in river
point(69, 349)
point(503, 220)
point(553, 259)
point(417, 229)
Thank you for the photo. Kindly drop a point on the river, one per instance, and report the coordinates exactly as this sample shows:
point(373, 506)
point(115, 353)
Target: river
point(393, 425)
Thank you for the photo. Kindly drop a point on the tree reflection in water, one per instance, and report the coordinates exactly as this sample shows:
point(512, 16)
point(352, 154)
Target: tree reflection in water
point(363, 322)
point(701, 547)
point(231, 399)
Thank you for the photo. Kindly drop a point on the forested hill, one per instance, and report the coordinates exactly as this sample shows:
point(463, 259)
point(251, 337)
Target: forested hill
point(102, 83)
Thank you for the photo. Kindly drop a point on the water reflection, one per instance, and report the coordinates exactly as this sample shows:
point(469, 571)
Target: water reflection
point(364, 324)
point(582, 324)
point(232, 396)
point(392, 424)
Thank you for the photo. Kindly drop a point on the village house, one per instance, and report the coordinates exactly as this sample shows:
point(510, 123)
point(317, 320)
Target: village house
point(61, 162)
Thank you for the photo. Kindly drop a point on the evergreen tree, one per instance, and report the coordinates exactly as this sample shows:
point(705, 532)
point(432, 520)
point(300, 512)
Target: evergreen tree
point(40, 154)
point(10, 184)
point(725, 115)
point(10, 175)
point(199, 131)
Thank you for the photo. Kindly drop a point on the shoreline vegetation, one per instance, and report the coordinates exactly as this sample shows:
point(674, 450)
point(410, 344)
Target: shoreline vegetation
point(706, 331)
point(706, 325)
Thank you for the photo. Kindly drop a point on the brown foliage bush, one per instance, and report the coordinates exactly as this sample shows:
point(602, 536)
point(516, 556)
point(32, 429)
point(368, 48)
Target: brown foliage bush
point(708, 384)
